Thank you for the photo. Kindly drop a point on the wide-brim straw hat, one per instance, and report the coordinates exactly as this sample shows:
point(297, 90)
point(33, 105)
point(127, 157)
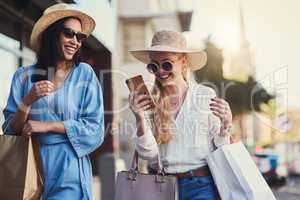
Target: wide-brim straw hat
point(171, 41)
point(55, 13)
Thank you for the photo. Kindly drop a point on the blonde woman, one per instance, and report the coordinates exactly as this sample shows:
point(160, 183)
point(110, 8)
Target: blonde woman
point(186, 122)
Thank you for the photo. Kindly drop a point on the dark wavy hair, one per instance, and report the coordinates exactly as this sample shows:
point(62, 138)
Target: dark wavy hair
point(49, 51)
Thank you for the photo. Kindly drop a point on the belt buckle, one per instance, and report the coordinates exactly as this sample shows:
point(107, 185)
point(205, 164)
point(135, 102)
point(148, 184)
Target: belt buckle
point(191, 173)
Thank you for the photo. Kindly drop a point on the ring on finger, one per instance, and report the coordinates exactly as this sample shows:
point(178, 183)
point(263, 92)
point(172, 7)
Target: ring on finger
point(222, 111)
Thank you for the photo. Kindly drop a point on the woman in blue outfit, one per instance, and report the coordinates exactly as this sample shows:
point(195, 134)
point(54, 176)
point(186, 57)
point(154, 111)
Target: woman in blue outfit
point(188, 120)
point(59, 101)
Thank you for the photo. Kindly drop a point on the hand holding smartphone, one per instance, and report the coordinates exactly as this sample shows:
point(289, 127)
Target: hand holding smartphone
point(137, 84)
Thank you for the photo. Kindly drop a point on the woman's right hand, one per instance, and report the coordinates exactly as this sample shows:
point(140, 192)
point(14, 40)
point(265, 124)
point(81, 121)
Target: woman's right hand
point(139, 103)
point(39, 89)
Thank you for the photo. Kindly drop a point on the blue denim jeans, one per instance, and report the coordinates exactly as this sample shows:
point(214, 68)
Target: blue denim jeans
point(197, 188)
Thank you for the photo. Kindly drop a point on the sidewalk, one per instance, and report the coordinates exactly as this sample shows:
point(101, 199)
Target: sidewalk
point(96, 188)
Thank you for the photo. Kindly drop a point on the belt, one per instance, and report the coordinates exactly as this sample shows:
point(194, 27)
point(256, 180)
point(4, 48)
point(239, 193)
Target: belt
point(200, 172)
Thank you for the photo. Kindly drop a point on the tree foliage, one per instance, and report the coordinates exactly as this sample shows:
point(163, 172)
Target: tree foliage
point(243, 97)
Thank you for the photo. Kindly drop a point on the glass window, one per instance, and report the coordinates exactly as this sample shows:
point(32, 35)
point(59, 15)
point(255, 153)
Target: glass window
point(134, 37)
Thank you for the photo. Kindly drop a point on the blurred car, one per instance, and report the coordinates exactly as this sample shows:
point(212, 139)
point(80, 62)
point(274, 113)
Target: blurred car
point(275, 173)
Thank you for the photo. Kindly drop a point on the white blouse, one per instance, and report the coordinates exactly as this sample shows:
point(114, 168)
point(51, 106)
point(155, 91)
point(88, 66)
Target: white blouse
point(196, 133)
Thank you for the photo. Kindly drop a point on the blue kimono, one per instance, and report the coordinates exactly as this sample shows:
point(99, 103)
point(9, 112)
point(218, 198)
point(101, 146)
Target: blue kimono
point(78, 104)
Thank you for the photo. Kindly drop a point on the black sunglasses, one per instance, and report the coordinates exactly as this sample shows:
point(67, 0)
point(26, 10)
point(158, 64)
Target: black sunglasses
point(70, 33)
point(154, 67)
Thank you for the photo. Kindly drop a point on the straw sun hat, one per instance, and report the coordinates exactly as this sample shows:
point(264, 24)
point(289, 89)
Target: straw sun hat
point(55, 13)
point(171, 41)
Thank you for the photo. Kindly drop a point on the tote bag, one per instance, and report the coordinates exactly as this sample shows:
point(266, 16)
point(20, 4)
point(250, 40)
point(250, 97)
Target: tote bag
point(236, 175)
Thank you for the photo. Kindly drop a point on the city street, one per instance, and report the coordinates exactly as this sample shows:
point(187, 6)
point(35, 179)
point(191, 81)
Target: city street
point(203, 74)
point(291, 191)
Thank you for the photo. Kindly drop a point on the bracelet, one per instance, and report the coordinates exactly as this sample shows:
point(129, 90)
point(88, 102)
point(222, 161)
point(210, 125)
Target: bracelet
point(226, 131)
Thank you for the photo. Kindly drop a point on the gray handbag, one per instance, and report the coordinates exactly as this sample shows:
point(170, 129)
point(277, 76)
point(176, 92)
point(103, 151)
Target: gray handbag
point(133, 185)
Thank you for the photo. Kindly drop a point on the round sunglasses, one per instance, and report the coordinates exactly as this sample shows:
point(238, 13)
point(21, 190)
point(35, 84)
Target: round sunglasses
point(70, 33)
point(154, 67)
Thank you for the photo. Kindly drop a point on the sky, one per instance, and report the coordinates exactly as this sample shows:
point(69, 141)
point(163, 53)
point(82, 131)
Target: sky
point(272, 30)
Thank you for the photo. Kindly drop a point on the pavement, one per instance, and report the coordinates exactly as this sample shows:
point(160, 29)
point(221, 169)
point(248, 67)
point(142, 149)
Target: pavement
point(290, 191)
point(96, 188)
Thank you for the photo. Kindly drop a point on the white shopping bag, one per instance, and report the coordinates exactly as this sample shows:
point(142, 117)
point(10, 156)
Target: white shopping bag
point(236, 175)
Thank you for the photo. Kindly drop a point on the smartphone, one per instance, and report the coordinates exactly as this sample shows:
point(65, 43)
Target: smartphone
point(39, 75)
point(137, 84)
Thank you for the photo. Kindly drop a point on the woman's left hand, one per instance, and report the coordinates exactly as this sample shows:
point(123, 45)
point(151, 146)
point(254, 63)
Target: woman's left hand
point(34, 127)
point(221, 109)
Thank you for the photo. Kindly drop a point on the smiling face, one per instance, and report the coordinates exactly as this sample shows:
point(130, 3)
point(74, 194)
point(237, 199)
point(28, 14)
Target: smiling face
point(69, 46)
point(178, 62)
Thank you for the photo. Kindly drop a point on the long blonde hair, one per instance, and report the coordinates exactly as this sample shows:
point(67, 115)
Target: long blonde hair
point(162, 121)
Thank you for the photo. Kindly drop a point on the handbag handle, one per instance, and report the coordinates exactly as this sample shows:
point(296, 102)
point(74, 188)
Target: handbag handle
point(35, 145)
point(134, 163)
